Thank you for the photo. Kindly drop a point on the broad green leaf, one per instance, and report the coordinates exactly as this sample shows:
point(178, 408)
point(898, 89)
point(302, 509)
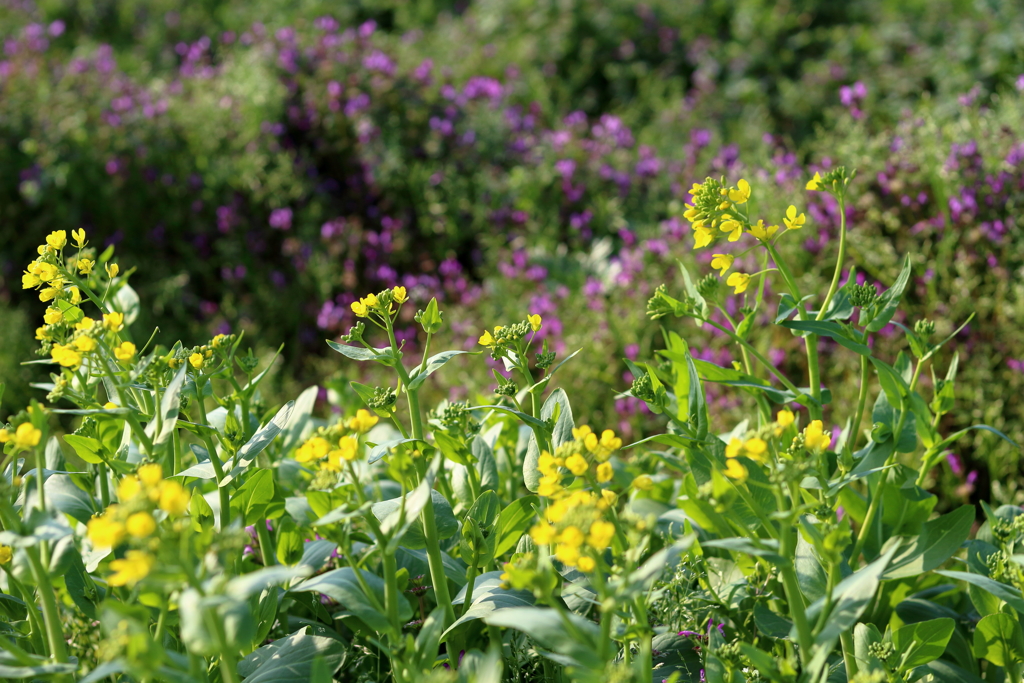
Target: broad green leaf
point(382, 449)
point(434, 363)
point(1008, 594)
point(938, 540)
point(383, 356)
point(290, 659)
point(513, 522)
point(488, 597)
point(453, 449)
point(387, 512)
point(889, 300)
point(87, 448)
point(170, 403)
point(998, 639)
point(545, 627)
point(922, 642)
point(343, 585)
point(252, 497)
point(831, 329)
point(259, 441)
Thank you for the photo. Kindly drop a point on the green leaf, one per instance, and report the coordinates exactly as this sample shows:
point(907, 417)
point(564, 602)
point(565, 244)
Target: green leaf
point(387, 512)
point(300, 419)
point(383, 356)
point(259, 441)
point(291, 659)
point(62, 494)
point(545, 627)
point(922, 642)
point(998, 639)
point(434, 363)
point(513, 522)
point(697, 408)
point(87, 448)
point(889, 301)
point(771, 624)
point(938, 540)
point(555, 404)
point(944, 672)
point(170, 404)
point(343, 585)
point(488, 598)
point(382, 449)
point(126, 301)
point(833, 330)
point(453, 449)
point(788, 305)
point(850, 598)
point(528, 419)
point(251, 499)
point(1008, 594)
point(430, 319)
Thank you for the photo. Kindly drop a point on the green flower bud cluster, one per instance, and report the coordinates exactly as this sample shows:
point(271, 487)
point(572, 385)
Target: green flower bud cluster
point(545, 359)
point(708, 286)
point(384, 398)
point(924, 328)
point(863, 296)
point(355, 333)
point(642, 388)
point(507, 388)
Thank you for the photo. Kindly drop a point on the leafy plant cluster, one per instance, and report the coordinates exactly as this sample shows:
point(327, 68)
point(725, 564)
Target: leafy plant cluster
point(187, 530)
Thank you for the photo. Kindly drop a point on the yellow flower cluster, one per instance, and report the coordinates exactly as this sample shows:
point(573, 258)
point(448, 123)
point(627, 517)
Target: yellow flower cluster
point(380, 303)
point(575, 524)
point(506, 334)
point(337, 447)
point(24, 437)
point(140, 494)
point(815, 438)
point(586, 443)
point(754, 448)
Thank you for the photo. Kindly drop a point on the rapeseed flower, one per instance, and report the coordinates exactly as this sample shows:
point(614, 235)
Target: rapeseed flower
point(363, 421)
point(722, 263)
point(793, 220)
point(124, 351)
point(739, 281)
point(135, 566)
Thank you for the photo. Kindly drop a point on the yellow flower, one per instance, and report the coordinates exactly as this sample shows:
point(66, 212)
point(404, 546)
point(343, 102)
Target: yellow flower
point(762, 232)
point(571, 537)
point(359, 308)
point(609, 497)
point(580, 433)
point(399, 295)
point(542, 533)
point(174, 499)
point(733, 227)
point(196, 360)
point(815, 183)
point(85, 323)
point(815, 438)
point(76, 296)
point(48, 294)
point(52, 316)
point(66, 356)
point(702, 236)
point(643, 483)
point(734, 469)
point(567, 555)
point(57, 239)
point(792, 220)
point(604, 472)
point(26, 436)
point(79, 237)
point(549, 486)
point(151, 474)
point(586, 564)
point(42, 333)
point(85, 343)
point(112, 270)
point(125, 351)
point(314, 449)
point(722, 263)
point(363, 421)
point(135, 566)
point(603, 448)
point(5, 436)
point(30, 280)
point(756, 448)
point(348, 450)
point(109, 405)
point(733, 448)
point(113, 321)
point(140, 525)
point(535, 321)
point(601, 534)
point(741, 194)
point(6, 554)
point(577, 464)
point(128, 488)
point(105, 531)
point(85, 266)
point(740, 281)
point(486, 339)
point(45, 271)
point(783, 419)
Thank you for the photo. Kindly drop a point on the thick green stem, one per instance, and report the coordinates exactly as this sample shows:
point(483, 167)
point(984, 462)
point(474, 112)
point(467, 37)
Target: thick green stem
point(849, 654)
point(266, 544)
point(470, 585)
point(51, 615)
point(794, 598)
point(391, 591)
point(436, 565)
point(218, 468)
point(839, 261)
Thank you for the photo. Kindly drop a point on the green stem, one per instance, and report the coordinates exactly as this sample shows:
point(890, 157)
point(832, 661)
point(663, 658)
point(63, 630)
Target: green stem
point(761, 359)
point(862, 398)
point(794, 598)
point(266, 544)
point(849, 656)
point(470, 585)
point(391, 590)
point(218, 467)
point(51, 615)
point(839, 261)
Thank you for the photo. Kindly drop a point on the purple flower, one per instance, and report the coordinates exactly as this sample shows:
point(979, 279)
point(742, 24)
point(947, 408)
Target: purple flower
point(281, 219)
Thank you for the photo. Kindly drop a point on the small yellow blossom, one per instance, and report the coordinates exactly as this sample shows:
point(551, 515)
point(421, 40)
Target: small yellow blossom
point(363, 421)
point(30, 280)
point(572, 537)
point(135, 566)
point(734, 447)
point(702, 236)
point(128, 488)
point(85, 324)
point(52, 316)
point(793, 220)
point(112, 270)
point(535, 321)
point(174, 499)
point(124, 351)
point(85, 344)
point(733, 227)
point(601, 534)
point(151, 474)
point(105, 531)
point(48, 294)
point(756, 448)
point(577, 464)
point(79, 237)
point(762, 232)
point(66, 356)
point(347, 451)
point(57, 239)
point(542, 533)
point(586, 563)
point(608, 497)
point(359, 308)
point(486, 339)
point(783, 419)
point(741, 194)
point(196, 360)
point(643, 483)
point(815, 438)
point(722, 263)
point(740, 281)
point(85, 266)
point(567, 555)
point(314, 449)
point(26, 436)
point(815, 183)
point(76, 295)
point(604, 472)
point(735, 470)
point(603, 448)
point(398, 294)
point(113, 321)
point(6, 554)
point(109, 405)
point(549, 486)
point(140, 525)
point(5, 436)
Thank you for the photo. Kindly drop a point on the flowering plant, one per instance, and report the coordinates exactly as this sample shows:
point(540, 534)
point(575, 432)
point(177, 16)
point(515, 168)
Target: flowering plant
point(209, 536)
